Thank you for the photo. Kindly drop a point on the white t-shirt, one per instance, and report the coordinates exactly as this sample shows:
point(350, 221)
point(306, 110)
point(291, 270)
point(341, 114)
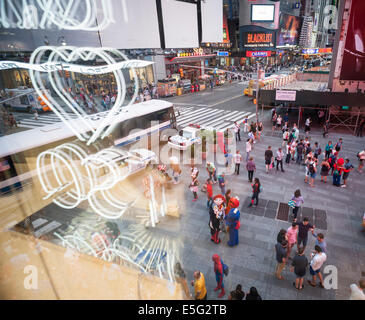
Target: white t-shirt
point(356, 293)
point(248, 146)
point(307, 122)
point(237, 158)
point(318, 261)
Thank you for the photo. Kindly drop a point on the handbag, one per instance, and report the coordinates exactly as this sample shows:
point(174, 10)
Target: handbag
point(291, 204)
point(238, 225)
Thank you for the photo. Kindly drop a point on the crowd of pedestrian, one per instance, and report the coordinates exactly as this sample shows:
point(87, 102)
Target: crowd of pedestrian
point(224, 215)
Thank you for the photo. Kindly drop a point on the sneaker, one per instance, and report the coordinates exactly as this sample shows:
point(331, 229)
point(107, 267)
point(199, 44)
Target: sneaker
point(250, 205)
point(343, 186)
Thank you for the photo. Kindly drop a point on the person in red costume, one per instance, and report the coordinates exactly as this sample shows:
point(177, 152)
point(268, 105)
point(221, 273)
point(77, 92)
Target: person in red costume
point(233, 221)
point(337, 172)
point(218, 270)
point(216, 212)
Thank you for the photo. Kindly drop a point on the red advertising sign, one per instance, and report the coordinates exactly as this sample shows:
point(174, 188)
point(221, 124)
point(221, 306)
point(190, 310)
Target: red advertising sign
point(353, 63)
point(324, 50)
point(258, 54)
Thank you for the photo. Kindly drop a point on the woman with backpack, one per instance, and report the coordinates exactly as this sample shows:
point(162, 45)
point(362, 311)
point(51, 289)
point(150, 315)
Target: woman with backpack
point(325, 168)
point(256, 189)
point(219, 271)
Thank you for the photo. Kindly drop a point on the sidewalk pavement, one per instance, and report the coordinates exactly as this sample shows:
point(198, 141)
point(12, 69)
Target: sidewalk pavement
point(252, 262)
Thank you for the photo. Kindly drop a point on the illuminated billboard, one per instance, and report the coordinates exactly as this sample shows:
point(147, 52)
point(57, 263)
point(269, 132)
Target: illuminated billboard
point(259, 39)
point(289, 30)
point(262, 12)
point(353, 63)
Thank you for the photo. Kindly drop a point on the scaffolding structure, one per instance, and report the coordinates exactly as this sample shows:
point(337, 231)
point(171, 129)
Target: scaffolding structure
point(345, 118)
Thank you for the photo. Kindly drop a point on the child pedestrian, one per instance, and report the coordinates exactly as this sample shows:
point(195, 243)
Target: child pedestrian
point(256, 189)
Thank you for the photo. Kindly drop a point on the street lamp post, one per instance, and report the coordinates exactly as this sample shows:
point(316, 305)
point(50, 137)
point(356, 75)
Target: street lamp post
point(257, 92)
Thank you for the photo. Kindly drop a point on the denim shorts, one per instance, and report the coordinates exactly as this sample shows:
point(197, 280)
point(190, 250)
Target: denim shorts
point(312, 175)
point(313, 272)
point(300, 240)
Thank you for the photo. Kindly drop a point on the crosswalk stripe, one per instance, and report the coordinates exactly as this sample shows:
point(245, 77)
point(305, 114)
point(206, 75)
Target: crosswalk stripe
point(225, 120)
point(27, 126)
point(207, 120)
point(39, 122)
point(211, 114)
point(230, 125)
point(196, 112)
point(238, 116)
point(224, 117)
point(220, 118)
point(192, 116)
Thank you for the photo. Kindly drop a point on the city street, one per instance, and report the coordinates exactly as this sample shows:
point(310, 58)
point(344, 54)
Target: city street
point(140, 145)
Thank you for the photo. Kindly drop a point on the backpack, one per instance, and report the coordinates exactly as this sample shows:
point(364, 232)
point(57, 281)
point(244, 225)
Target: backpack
point(311, 168)
point(225, 268)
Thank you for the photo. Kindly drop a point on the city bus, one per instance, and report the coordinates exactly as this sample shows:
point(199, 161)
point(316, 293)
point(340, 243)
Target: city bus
point(18, 147)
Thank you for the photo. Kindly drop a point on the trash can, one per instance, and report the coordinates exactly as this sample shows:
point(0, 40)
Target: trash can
point(179, 91)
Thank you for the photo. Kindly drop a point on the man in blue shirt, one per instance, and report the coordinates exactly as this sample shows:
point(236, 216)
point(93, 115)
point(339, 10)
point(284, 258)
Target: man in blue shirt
point(320, 241)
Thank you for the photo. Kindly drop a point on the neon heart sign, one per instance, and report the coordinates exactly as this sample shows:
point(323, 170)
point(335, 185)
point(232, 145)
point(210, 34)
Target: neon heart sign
point(60, 57)
point(45, 14)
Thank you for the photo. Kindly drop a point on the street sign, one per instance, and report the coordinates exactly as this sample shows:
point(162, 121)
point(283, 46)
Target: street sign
point(285, 95)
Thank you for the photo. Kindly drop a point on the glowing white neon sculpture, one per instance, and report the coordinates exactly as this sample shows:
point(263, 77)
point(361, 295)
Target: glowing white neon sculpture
point(65, 14)
point(67, 54)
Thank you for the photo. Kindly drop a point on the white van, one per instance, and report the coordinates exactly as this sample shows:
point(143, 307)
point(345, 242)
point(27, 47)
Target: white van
point(24, 99)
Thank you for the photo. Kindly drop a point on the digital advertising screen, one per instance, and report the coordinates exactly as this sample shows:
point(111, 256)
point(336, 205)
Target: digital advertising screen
point(289, 30)
point(262, 12)
point(353, 63)
point(259, 39)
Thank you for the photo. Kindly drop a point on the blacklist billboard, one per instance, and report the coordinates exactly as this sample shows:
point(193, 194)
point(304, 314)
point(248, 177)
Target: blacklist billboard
point(289, 30)
point(259, 39)
point(353, 63)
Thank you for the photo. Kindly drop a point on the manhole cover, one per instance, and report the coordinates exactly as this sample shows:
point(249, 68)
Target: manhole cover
point(283, 212)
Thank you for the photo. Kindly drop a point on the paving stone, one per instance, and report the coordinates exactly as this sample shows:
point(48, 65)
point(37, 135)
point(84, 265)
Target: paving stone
point(270, 213)
point(272, 205)
point(262, 203)
point(258, 211)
